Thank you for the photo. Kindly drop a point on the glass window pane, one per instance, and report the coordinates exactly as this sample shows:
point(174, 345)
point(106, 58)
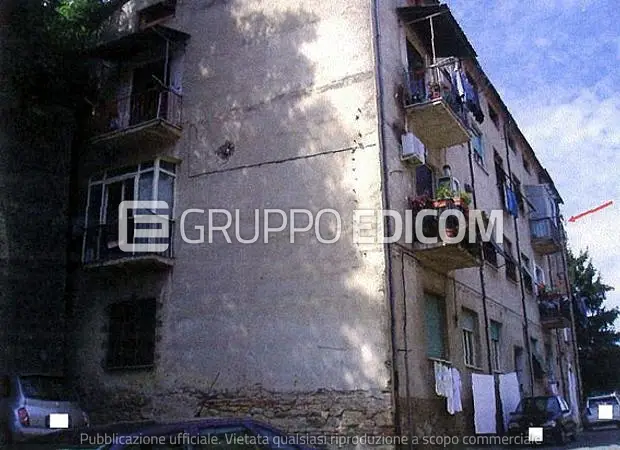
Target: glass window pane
point(129, 188)
point(94, 205)
point(145, 186)
point(114, 197)
point(495, 330)
point(468, 320)
point(165, 189)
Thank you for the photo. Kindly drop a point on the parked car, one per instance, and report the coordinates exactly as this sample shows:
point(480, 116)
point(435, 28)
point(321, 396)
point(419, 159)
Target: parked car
point(27, 401)
point(193, 434)
point(595, 414)
point(551, 413)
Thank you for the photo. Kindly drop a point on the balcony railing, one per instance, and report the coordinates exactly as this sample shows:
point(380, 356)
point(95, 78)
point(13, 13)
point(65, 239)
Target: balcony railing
point(445, 256)
point(546, 235)
point(155, 112)
point(434, 108)
point(101, 247)
point(554, 310)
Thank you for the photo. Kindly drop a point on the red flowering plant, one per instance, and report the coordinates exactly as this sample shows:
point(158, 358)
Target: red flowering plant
point(420, 202)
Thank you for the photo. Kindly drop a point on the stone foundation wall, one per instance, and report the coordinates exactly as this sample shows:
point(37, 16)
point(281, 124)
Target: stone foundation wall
point(318, 413)
point(429, 418)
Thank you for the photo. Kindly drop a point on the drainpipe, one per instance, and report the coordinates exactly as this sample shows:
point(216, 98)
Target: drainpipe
point(576, 365)
point(388, 247)
point(558, 339)
point(526, 327)
point(498, 408)
point(481, 268)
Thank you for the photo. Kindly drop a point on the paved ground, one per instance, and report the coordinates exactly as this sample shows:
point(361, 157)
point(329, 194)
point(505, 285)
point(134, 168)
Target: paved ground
point(604, 438)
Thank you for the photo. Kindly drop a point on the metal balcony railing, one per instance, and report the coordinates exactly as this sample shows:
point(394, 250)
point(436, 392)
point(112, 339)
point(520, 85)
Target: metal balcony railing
point(134, 110)
point(545, 228)
point(101, 243)
point(430, 84)
point(554, 309)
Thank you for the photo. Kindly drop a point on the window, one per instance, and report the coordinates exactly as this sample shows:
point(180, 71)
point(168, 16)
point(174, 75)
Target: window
point(496, 332)
point(490, 252)
point(526, 273)
point(469, 325)
point(526, 165)
point(511, 145)
point(500, 176)
point(478, 146)
point(493, 116)
point(436, 336)
point(424, 180)
point(511, 266)
point(517, 189)
point(550, 361)
point(131, 334)
point(153, 180)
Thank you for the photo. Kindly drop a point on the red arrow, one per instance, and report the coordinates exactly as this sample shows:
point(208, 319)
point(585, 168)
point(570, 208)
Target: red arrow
point(590, 211)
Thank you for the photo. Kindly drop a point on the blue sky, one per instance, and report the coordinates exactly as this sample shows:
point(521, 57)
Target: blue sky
point(556, 64)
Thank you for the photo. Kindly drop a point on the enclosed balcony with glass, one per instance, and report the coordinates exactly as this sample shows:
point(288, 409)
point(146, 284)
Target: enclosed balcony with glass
point(547, 233)
point(102, 242)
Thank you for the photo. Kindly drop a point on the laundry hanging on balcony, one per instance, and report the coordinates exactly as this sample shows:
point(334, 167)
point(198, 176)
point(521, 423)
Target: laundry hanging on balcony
point(448, 385)
point(467, 94)
point(512, 205)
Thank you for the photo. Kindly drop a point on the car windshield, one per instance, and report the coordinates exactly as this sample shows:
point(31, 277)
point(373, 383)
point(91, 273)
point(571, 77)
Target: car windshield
point(537, 405)
point(47, 388)
point(595, 402)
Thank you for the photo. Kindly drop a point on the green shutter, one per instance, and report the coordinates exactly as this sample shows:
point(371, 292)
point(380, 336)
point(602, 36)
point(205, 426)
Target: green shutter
point(435, 326)
point(495, 330)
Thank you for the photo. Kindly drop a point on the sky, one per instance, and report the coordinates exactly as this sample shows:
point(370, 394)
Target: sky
point(556, 64)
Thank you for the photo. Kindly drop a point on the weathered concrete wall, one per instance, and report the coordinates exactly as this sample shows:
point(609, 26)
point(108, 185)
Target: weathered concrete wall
point(297, 334)
point(461, 288)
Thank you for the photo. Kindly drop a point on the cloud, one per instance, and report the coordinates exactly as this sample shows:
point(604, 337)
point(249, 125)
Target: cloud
point(554, 63)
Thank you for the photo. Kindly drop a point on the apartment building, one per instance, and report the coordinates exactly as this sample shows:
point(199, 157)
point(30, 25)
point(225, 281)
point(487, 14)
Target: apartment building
point(250, 106)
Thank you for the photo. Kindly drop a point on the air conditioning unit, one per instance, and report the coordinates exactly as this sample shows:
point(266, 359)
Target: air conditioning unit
point(412, 150)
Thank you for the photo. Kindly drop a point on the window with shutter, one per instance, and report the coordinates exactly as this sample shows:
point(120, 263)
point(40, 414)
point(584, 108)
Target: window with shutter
point(435, 316)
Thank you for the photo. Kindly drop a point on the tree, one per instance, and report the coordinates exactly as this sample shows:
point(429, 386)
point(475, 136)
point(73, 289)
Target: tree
point(44, 62)
point(597, 339)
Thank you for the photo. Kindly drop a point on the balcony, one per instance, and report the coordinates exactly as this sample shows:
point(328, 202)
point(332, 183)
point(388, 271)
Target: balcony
point(434, 109)
point(101, 249)
point(546, 235)
point(554, 310)
point(444, 256)
point(147, 118)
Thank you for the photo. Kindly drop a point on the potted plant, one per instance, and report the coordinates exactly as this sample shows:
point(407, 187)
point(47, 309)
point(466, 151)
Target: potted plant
point(443, 197)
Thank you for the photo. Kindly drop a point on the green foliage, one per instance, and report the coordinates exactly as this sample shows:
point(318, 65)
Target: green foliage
point(46, 38)
point(597, 339)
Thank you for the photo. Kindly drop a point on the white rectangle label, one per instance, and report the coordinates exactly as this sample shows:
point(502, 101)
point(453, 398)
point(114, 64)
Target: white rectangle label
point(59, 420)
point(605, 412)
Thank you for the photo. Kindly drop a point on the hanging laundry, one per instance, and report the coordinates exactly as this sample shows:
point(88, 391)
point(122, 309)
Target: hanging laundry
point(471, 99)
point(439, 385)
point(454, 401)
point(511, 202)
